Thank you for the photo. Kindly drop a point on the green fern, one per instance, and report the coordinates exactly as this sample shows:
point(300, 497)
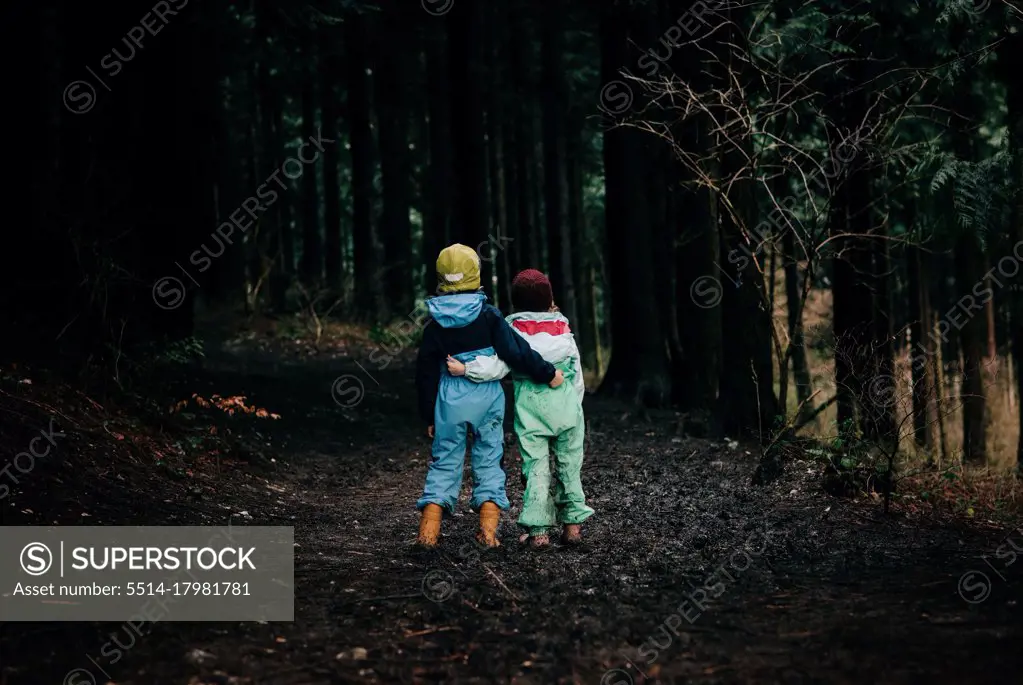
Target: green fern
point(981, 193)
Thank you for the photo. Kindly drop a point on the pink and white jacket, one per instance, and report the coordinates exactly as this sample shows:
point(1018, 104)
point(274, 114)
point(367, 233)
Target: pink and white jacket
point(548, 333)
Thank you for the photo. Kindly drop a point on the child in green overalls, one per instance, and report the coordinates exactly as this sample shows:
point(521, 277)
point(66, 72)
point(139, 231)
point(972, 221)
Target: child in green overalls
point(543, 414)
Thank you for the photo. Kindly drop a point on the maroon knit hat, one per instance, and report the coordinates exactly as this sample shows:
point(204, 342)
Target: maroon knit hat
point(531, 292)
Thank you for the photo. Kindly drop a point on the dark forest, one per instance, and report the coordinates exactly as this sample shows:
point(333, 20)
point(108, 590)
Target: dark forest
point(787, 237)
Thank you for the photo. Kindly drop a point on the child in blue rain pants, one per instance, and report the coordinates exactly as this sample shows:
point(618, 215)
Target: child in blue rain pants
point(463, 326)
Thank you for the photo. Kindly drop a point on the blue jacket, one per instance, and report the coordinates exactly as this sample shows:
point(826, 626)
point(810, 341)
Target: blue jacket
point(463, 322)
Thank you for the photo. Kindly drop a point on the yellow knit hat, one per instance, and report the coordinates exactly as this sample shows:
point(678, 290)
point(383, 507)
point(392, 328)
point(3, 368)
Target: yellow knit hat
point(458, 269)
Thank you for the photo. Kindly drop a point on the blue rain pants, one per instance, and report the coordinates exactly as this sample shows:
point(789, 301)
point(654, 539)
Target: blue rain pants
point(463, 405)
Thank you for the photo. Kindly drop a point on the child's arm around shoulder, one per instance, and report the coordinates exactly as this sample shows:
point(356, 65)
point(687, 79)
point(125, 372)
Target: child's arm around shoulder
point(482, 369)
point(515, 351)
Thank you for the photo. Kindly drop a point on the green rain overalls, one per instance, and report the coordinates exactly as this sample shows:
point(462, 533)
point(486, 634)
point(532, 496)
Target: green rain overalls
point(547, 420)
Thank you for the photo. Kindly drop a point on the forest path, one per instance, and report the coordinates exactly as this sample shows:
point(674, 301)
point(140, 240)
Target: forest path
point(809, 589)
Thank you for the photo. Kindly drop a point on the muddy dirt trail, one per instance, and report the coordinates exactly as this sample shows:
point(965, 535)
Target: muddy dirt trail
point(689, 574)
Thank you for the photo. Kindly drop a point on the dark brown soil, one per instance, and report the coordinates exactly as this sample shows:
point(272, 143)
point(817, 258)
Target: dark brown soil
point(809, 589)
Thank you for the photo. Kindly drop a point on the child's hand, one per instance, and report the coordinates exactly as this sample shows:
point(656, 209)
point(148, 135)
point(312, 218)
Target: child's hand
point(429, 431)
point(558, 379)
point(455, 367)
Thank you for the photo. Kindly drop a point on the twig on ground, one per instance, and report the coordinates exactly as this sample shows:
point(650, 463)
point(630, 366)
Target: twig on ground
point(430, 631)
point(501, 582)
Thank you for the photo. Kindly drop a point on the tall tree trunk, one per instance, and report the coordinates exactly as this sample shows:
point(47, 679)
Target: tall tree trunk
point(969, 269)
point(918, 368)
point(498, 245)
point(553, 88)
point(935, 340)
point(421, 202)
point(330, 74)
point(973, 341)
point(525, 162)
point(539, 205)
point(747, 404)
point(882, 362)
point(253, 261)
point(286, 237)
point(369, 300)
point(533, 205)
point(662, 201)
point(513, 188)
point(311, 270)
point(469, 186)
point(598, 330)
point(639, 364)
point(523, 159)
point(696, 249)
point(794, 309)
point(698, 285)
point(940, 392)
point(989, 312)
point(391, 84)
point(698, 294)
point(436, 220)
point(923, 368)
point(271, 263)
point(230, 191)
point(862, 394)
point(584, 323)
point(274, 270)
point(792, 278)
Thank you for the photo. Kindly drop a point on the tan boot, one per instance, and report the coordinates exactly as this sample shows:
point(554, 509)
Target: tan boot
point(429, 525)
point(490, 514)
